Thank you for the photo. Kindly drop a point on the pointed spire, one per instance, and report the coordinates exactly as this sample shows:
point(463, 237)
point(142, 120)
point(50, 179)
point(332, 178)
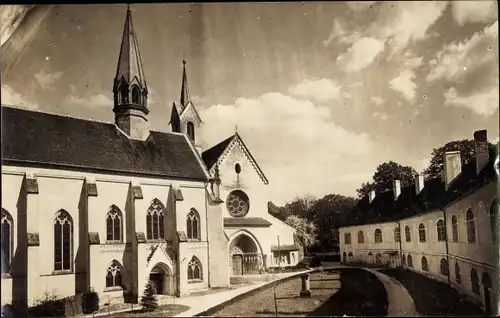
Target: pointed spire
point(129, 61)
point(184, 89)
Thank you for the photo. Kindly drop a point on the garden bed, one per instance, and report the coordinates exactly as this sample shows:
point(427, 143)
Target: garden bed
point(360, 294)
point(431, 297)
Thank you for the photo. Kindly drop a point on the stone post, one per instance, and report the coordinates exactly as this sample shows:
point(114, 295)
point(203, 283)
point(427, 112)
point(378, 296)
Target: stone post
point(306, 286)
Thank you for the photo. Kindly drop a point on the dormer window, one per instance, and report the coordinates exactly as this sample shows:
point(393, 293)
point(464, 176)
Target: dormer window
point(135, 95)
point(190, 130)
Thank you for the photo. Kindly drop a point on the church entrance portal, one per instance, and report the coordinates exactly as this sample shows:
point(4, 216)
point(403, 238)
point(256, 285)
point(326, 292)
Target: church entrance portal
point(162, 280)
point(245, 257)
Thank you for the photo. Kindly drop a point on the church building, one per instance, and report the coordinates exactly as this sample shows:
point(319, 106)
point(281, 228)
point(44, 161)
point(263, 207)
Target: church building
point(88, 204)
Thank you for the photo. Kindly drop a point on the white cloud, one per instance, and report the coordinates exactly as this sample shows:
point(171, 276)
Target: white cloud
point(361, 54)
point(460, 58)
point(382, 116)
point(484, 103)
point(377, 100)
point(474, 11)
point(321, 90)
point(94, 101)
point(47, 80)
point(11, 17)
point(404, 83)
point(11, 97)
point(293, 139)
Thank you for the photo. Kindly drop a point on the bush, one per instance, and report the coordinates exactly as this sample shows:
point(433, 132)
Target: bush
point(309, 261)
point(148, 300)
point(48, 306)
point(90, 301)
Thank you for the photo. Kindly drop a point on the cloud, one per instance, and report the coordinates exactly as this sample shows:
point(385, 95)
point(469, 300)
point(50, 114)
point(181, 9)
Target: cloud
point(382, 116)
point(474, 11)
point(483, 103)
point(47, 80)
point(11, 17)
point(11, 97)
point(377, 100)
point(94, 101)
point(458, 59)
point(360, 54)
point(404, 83)
point(321, 90)
point(292, 139)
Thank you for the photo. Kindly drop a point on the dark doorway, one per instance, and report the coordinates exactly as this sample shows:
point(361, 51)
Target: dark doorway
point(157, 281)
point(161, 279)
point(237, 264)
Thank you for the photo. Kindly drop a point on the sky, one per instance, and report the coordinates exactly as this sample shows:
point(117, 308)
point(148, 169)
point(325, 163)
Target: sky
point(321, 93)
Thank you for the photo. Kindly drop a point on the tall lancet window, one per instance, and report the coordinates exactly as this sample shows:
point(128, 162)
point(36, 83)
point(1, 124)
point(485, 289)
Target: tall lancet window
point(114, 225)
point(63, 240)
point(136, 95)
point(6, 241)
point(124, 93)
point(155, 225)
point(190, 130)
point(193, 225)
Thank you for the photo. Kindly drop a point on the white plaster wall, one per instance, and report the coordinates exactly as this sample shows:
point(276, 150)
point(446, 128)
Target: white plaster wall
point(194, 197)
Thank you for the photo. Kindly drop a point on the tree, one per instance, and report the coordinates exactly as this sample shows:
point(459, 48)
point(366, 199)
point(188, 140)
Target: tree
point(306, 230)
point(148, 300)
point(301, 207)
point(278, 212)
point(384, 175)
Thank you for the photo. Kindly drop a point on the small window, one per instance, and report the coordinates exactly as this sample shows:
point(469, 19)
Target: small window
point(443, 268)
point(425, 264)
point(190, 130)
point(361, 237)
point(378, 236)
point(114, 225)
point(408, 233)
point(471, 227)
point(124, 93)
point(421, 233)
point(397, 235)
point(454, 228)
point(347, 238)
point(458, 276)
point(237, 168)
point(403, 259)
point(193, 225)
point(136, 95)
point(410, 261)
point(474, 281)
point(155, 225)
point(114, 275)
point(441, 231)
point(195, 273)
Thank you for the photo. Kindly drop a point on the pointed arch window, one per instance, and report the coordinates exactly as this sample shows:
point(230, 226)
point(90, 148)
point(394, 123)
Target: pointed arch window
point(471, 226)
point(474, 280)
point(155, 225)
point(190, 130)
point(421, 233)
point(407, 233)
point(454, 228)
point(193, 225)
point(378, 236)
point(195, 273)
point(136, 95)
point(114, 225)
point(124, 93)
point(63, 241)
point(397, 235)
point(6, 241)
point(425, 264)
point(493, 220)
point(114, 275)
point(441, 231)
point(443, 268)
point(410, 261)
point(361, 237)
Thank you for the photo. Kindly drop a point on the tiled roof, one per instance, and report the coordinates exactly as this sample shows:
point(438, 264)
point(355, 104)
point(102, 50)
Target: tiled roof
point(284, 248)
point(432, 197)
point(37, 138)
point(211, 155)
point(251, 222)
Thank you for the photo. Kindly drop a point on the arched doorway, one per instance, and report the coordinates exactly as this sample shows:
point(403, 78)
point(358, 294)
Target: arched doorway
point(162, 280)
point(344, 257)
point(245, 256)
point(487, 293)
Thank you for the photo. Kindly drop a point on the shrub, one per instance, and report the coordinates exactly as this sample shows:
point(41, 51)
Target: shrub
point(308, 262)
point(148, 300)
point(90, 301)
point(48, 306)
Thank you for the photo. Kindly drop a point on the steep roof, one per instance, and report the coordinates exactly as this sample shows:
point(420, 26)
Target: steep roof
point(32, 137)
point(213, 154)
point(433, 196)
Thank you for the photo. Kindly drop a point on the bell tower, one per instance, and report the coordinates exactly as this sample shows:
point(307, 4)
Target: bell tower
point(129, 88)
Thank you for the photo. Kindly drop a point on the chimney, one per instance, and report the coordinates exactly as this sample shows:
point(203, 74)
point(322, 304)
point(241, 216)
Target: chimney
point(371, 196)
point(396, 186)
point(481, 147)
point(452, 166)
point(419, 183)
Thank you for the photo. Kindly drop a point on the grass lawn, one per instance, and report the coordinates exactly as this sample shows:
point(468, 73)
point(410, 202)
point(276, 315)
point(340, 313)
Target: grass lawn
point(433, 298)
point(163, 311)
point(360, 294)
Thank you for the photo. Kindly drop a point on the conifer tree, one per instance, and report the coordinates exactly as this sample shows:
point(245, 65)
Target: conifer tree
point(148, 299)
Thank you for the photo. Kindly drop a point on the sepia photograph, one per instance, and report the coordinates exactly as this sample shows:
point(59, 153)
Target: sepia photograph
point(250, 159)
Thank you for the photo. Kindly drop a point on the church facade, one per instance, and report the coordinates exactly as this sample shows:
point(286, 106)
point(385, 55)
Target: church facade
point(96, 205)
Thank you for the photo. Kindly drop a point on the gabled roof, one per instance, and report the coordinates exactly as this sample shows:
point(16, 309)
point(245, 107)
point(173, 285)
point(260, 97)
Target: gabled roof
point(217, 153)
point(37, 138)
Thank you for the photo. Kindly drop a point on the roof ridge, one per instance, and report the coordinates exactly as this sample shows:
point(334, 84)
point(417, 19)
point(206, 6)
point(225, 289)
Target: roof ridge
point(54, 113)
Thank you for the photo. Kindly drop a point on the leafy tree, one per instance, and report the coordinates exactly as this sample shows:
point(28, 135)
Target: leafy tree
point(301, 207)
point(384, 175)
point(306, 230)
point(278, 212)
point(148, 300)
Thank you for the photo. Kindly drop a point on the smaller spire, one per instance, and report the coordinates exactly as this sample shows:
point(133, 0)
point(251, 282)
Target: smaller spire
point(184, 89)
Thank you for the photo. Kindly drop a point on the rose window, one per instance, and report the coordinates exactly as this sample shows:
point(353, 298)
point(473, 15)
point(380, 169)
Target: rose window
point(237, 203)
